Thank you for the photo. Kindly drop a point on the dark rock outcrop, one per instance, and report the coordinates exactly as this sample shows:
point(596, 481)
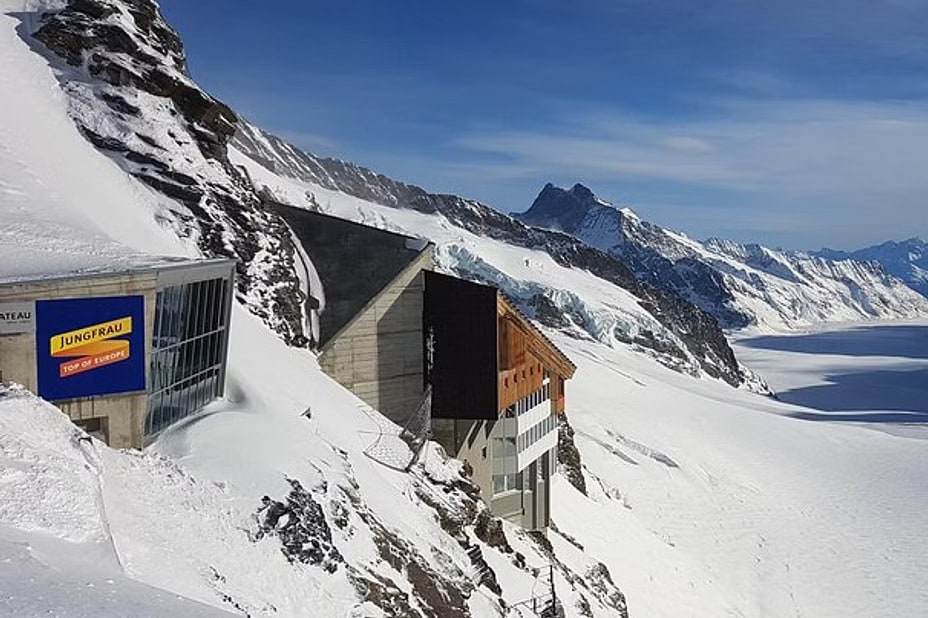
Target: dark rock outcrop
point(568, 456)
point(131, 96)
point(300, 524)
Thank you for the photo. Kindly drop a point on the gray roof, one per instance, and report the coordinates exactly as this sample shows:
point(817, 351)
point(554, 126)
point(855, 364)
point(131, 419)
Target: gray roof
point(39, 272)
point(354, 261)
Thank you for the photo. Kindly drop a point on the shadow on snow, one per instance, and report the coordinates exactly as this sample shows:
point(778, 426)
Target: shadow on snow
point(881, 396)
point(902, 341)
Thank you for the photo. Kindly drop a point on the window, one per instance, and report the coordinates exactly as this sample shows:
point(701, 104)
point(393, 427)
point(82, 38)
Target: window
point(190, 336)
point(504, 447)
point(506, 482)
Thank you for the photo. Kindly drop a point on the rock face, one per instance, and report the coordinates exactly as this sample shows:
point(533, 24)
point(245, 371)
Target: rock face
point(740, 285)
point(697, 330)
point(907, 260)
point(130, 95)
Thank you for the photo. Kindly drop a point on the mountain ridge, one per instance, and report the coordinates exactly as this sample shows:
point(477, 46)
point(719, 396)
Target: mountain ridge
point(742, 285)
point(906, 259)
point(695, 328)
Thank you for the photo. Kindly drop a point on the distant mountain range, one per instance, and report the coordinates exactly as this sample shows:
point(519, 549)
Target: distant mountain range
point(740, 284)
point(907, 260)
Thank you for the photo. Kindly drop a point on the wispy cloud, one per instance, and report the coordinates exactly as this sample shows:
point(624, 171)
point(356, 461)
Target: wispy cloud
point(816, 162)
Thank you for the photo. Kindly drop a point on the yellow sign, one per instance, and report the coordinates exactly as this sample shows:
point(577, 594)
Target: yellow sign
point(63, 342)
point(92, 346)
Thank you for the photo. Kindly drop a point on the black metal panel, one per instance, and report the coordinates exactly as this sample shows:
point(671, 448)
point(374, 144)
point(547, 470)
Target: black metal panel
point(459, 337)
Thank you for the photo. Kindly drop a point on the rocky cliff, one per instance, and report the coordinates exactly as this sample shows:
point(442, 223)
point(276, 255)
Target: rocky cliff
point(124, 71)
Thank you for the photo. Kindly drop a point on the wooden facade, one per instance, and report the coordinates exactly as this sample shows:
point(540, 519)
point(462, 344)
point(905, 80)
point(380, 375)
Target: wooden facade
point(525, 357)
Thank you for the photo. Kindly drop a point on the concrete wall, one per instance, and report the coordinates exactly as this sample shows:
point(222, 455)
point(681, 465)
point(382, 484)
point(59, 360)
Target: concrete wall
point(378, 355)
point(122, 415)
point(472, 442)
point(469, 441)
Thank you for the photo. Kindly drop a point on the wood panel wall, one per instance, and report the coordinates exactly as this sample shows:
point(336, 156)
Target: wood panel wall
point(524, 355)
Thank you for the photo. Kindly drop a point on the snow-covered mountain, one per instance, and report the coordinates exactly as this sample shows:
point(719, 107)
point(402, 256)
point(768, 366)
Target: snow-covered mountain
point(682, 496)
point(124, 73)
point(741, 285)
point(129, 94)
point(907, 260)
point(466, 231)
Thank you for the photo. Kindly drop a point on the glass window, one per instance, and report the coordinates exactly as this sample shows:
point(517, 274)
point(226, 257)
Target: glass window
point(186, 358)
point(506, 482)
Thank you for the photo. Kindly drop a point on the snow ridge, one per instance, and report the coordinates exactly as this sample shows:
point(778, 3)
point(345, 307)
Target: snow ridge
point(907, 260)
point(742, 285)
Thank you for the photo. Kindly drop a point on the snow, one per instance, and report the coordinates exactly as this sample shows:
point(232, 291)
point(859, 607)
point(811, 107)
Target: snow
point(762, 513)
point(46, 576)
point(873, 375)
point(703, 500)
point(701, 497)
point(62, 203)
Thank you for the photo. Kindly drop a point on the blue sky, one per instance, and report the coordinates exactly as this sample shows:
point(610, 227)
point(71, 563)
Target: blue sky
point(794, 123)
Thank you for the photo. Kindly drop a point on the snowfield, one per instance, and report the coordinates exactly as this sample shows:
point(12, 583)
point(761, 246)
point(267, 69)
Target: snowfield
point(714, 502)
point(872, 375)
point(703, 500)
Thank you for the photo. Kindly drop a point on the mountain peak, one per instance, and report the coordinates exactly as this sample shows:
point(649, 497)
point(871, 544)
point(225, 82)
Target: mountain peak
point(562, 209)
point(582, 192)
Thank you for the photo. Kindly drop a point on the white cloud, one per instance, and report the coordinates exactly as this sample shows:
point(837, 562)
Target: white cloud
point(859, 164)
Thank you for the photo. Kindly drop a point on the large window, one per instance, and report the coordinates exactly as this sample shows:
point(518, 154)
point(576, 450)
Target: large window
point(188, 350)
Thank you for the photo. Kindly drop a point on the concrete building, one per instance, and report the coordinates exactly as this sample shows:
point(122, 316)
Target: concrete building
point(498, 385)
point(370, 327)
point(124, 353)
point(392, 330)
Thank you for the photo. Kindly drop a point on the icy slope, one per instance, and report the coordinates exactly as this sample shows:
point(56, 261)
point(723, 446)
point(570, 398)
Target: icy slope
point(50, 175)
point(56, 555)
point(741, 285)
point(268, 505)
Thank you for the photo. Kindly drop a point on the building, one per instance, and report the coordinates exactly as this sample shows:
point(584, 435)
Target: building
point(124, 353)
point(498, 385)
point(391, 330)
point(370, 327)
